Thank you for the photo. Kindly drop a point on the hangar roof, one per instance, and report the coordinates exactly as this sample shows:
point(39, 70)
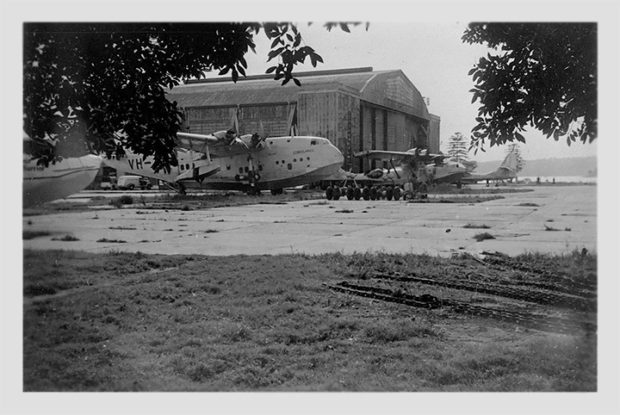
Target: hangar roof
point(390, 88)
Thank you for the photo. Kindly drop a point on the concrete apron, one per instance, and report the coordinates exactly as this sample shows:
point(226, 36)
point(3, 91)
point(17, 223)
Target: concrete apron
point(315, 227)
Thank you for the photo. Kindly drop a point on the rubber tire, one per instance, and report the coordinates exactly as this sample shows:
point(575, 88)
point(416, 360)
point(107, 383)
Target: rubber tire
point(337, 193)
point(366, 193)
point(389, 193)
point(357, 193)
point(373, 193)
point(329, 193)
point(349, 193)
point(423, 190)
point(397, 193)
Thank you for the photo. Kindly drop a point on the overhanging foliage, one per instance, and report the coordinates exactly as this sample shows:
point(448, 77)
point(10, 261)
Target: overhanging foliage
point(540, 74)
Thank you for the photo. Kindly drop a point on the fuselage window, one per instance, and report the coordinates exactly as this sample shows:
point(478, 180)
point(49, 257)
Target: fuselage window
point(295, 160)
point(277, 162)
point(181, 166)
point(260, 167)
point(290, 166)
point(246, 169)
point(282, 161)
point(187, 166)
point(228, 167)
point(308, 158)
point(240, 169)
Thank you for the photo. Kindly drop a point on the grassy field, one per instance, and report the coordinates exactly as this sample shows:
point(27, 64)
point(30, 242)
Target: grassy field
point(135, 322)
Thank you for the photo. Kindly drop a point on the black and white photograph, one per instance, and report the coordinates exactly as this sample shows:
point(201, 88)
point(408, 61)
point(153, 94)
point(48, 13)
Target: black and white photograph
point(352, 209)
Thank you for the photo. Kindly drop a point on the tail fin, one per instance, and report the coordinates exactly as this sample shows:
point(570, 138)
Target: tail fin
point(234, 120)
point(510, 162)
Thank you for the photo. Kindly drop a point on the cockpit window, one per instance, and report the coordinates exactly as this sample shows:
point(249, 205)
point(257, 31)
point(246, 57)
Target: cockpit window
point(312, 142)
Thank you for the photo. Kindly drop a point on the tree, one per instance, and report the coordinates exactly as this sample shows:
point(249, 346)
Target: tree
point(514, 147)
point(458, 148)
point(91, 86)
point(541, 75)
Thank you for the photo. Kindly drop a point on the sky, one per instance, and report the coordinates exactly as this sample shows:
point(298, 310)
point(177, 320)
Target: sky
point(433, 57)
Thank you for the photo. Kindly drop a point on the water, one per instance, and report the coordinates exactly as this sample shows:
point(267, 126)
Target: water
point(559, 179)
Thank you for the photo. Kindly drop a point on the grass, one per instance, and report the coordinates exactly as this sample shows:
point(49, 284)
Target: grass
point(120, 201)
point(66, 238)
point(476, 226)
point(120, 241)
point(479, 237)
point(457, 198)
point(137, 322)
point(26, 235)
point(192, 202)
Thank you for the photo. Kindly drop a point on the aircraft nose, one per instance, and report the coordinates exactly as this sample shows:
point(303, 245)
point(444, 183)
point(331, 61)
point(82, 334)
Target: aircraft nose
point(336, 154)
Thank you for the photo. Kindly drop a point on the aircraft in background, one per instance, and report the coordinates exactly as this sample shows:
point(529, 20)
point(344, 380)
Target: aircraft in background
point(417, 170)
point(506, 171)
point(251, 163)
point(58, 180)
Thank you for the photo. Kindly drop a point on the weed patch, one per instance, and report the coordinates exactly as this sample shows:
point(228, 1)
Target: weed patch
point(66, 238)
point(479, 237)
point(116, 241)
point(120, 201)
point(26, 235)
point(476, 226)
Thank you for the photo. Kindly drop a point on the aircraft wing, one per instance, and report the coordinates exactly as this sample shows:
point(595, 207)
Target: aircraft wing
point(400, 155)
point(217, 147)
point(196, 142)
point(385, 154)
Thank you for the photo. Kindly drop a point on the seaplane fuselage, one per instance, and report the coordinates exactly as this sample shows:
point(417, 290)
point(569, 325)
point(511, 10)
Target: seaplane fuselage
point(58, 180)
point(277, 163)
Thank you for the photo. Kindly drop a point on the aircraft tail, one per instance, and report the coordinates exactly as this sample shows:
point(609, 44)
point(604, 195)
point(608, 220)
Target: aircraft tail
point(510, 162)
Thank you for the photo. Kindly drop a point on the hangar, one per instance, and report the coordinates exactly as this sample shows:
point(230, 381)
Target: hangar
point(356, 109)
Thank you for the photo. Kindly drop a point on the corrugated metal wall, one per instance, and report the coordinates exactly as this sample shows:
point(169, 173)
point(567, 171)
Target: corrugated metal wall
point(316, 115)
point(207, 120)
point(348, 124)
